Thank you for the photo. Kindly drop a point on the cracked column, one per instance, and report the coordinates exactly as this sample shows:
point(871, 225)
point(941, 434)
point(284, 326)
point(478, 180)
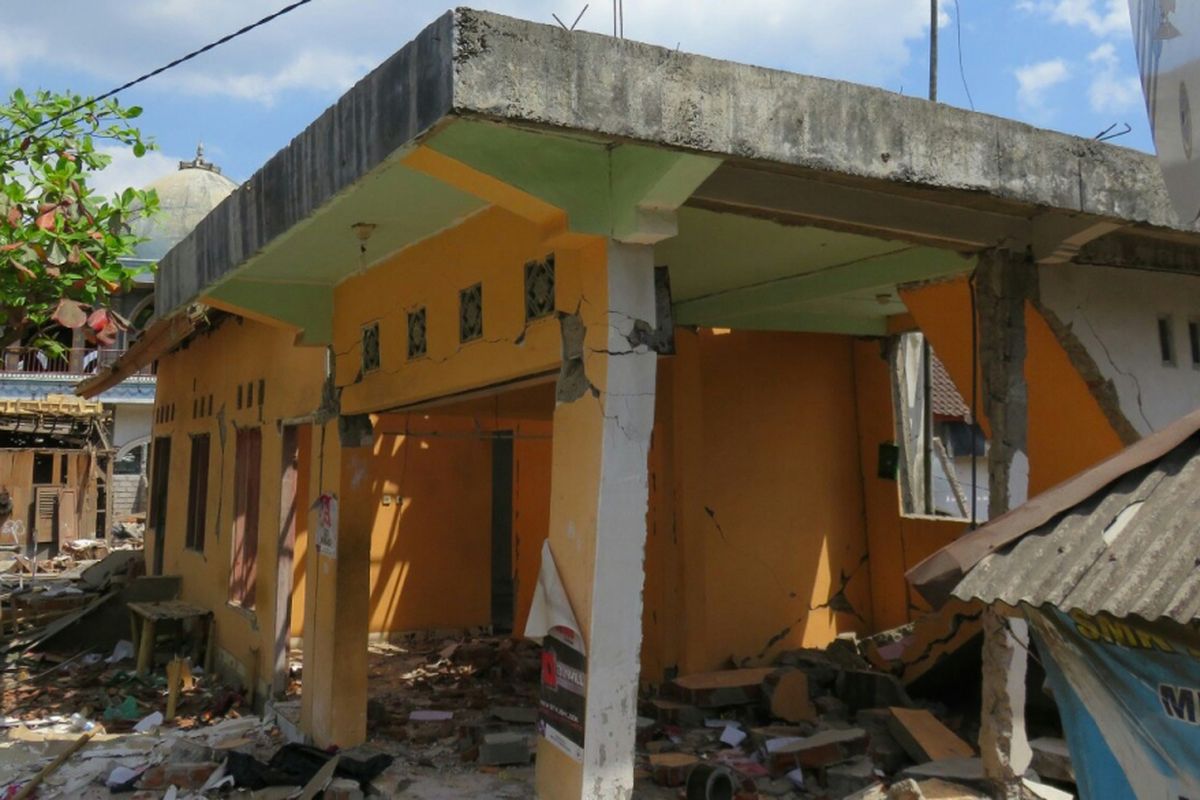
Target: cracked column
point(336, 607)
point(1004, 283)
point(599, 494)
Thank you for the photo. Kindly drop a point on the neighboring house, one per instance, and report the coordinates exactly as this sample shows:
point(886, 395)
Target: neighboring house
point(525, 286)
point(121, 449)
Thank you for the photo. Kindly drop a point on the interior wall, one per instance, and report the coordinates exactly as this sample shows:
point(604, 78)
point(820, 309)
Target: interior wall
point(431, 549)
point(767, 520)
point(1068, 430)
point(896, 542)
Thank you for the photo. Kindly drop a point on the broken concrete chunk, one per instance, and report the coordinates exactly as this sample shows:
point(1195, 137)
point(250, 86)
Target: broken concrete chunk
point(819, 750)
point(937, 789)
point(516, 715)
point(1052, 759)
point(864, 688)
point(850, 777)
point(907, 789)
point(670, 712)
point(726, 688)
point(188, 777)
point(671, 769)
point(790, 699)
point(504, 749)
point(968, 770)
point(924, 738)
point(343, 789)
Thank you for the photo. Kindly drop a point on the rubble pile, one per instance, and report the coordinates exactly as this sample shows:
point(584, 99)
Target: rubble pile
point(457, 702)
point(40, 596)
point(818, 724)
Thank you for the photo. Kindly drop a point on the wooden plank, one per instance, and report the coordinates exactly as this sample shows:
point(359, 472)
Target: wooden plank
point(924, 738)
point(726, 688)
point(733, 678)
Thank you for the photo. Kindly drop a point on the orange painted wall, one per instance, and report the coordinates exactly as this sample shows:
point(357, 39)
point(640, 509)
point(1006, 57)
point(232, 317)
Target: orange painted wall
point(431, 554)
point(767, 500)
point(896, 542)
point(490, 248)
point(1068, 431)
point(236, 353)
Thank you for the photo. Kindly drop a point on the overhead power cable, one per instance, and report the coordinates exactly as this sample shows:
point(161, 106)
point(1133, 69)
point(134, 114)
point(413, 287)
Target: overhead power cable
point(962, 73)
point(153, 73)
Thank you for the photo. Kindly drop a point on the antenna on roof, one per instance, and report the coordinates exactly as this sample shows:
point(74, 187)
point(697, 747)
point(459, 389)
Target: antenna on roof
point(573, 24)
point(619, 19)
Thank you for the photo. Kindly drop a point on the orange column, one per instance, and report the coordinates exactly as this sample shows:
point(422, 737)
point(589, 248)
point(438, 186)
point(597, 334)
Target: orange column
point(334, 695)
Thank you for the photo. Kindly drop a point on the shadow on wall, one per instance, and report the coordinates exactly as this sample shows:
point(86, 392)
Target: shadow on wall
point(430, 480)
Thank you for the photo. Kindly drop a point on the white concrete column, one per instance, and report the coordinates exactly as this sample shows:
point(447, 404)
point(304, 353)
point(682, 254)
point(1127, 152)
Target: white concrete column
point(599, 496)
point(1003, 742)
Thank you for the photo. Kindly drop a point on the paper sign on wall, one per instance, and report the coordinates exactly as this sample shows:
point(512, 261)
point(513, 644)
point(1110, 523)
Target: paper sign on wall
point(327, 525)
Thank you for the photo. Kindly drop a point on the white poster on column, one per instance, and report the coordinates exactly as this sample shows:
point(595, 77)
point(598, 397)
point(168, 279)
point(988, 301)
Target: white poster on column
point(327, 525)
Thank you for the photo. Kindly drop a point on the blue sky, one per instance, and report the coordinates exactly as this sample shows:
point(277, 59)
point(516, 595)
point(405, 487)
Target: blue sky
point(1062, 64)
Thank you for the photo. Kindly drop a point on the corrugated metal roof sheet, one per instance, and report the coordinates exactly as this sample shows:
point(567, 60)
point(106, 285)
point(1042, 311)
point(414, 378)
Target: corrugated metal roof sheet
point(1130, 550)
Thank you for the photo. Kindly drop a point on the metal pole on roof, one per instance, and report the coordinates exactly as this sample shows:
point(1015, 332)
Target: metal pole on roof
point(933, 49)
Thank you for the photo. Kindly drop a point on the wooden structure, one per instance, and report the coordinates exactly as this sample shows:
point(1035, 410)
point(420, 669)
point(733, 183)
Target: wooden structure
point(54, 461)
point(144, 621)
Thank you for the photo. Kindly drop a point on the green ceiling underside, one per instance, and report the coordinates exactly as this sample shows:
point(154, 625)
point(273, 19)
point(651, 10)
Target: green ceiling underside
point(743, 272)
point(726, 270)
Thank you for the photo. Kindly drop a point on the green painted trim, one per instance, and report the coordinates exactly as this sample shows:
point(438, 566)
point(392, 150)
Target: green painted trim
point(903, 265)
point(606, 190)
point(305, 306)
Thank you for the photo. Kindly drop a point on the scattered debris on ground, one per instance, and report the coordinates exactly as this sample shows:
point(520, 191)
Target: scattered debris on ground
point(818, 724)
point(457, 718)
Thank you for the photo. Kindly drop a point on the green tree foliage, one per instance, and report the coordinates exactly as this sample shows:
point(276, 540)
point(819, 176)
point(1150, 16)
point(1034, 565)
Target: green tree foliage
point(61, 245)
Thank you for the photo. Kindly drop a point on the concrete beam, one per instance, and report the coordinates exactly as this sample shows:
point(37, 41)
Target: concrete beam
point(859, 210)
point(1058, 238)
point(1132, 249)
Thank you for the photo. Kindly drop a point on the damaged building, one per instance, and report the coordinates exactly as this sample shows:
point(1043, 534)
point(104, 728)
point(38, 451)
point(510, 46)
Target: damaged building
point(554, 333)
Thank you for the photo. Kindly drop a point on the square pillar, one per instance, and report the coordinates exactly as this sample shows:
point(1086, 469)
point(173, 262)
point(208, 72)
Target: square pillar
point(1005, 283)
point(599, 493)
point(336, 618)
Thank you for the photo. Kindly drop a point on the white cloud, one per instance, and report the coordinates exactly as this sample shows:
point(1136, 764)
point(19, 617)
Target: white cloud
point(1034, 80)
point(1110, 90)
point(127, 170)
point(325, 47)
point(1101, 17)
point(16, 50)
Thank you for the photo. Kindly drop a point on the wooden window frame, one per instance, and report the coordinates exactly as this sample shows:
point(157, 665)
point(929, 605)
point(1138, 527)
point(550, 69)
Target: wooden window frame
point(197, 510)
point(247, 477)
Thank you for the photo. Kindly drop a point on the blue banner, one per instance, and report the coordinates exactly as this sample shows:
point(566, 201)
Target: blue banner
point(1129, 695)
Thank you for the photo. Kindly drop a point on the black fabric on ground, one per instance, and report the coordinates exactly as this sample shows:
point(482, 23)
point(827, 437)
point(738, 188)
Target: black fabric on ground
point(296, 764)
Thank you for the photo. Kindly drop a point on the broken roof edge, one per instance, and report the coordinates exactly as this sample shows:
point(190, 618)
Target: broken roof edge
point(937, 576)
point(162, 336)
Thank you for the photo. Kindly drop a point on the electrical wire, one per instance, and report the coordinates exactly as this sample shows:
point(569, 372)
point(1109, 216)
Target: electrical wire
point(153, 73)
point(962, 73)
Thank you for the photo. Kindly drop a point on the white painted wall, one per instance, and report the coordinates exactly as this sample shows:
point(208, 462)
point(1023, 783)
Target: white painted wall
point(1114, 314)
point(131, 421)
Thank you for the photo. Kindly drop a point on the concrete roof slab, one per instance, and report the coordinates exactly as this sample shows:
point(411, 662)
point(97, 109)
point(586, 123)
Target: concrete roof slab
point(541, 78)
